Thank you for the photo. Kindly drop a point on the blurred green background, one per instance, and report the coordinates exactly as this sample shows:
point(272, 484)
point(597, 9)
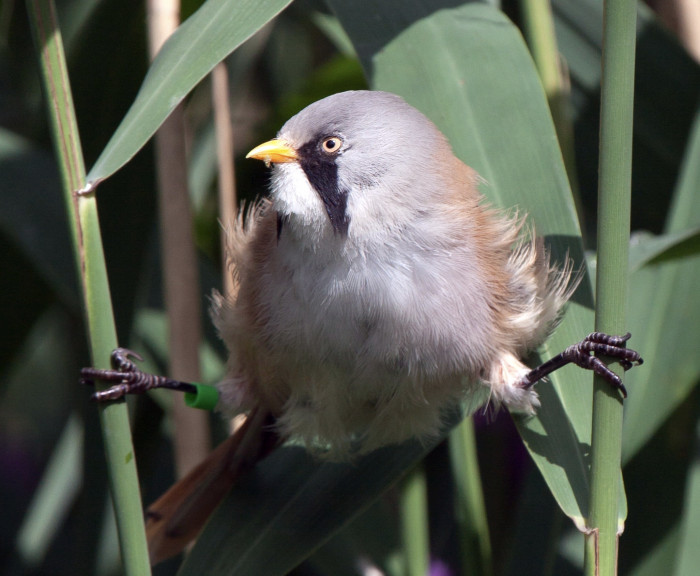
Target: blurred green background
point(56, 516)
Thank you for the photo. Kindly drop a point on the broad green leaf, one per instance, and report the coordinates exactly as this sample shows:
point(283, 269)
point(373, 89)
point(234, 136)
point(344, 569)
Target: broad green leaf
point(689, 552)
point(647, 249)
point(372, 539)
point(206, 38)
point(496, 117)
point(289, 505)
point(664, 313)
point(335, 33)
point(469, 70)
point(343, 557)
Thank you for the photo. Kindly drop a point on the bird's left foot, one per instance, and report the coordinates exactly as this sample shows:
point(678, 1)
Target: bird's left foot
point(584, 354)
point(127, 378)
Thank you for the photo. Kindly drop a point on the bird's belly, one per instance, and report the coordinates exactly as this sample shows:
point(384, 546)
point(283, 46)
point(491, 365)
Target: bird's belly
point(373, 351)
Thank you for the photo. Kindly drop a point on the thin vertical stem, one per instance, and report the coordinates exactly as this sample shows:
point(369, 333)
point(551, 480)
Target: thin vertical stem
point(228, 210)
point(475, 543)
point(87, 246)
point(614, 197)
point(538, 27)
point(180, 272)
point(414, 523)
point(539, 31)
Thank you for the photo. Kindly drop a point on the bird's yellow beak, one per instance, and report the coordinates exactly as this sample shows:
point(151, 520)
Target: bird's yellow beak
point(273, 151)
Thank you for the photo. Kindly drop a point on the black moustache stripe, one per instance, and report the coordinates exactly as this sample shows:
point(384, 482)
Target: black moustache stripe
point(322, 172)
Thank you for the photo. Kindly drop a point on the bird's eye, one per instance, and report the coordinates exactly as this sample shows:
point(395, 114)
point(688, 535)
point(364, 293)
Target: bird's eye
point(331, 144)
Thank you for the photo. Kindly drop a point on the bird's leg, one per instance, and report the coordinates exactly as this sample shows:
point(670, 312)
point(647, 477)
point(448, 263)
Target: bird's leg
point(581, 354)
point(127, 378)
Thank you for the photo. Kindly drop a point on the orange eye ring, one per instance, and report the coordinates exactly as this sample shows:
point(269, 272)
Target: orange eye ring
point(331, 144)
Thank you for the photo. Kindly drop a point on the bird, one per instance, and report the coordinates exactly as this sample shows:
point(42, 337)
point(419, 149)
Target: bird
point(375, 288)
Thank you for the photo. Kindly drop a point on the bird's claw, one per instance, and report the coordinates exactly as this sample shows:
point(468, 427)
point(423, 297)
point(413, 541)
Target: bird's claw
point(585, 354)
point(126, 377)
point(120, 359)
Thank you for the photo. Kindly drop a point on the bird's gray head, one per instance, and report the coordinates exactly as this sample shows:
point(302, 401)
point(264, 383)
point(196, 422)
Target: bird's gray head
point(350, 156)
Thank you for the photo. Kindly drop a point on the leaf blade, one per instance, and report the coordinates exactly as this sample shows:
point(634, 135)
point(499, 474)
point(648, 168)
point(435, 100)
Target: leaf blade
point(201, 42)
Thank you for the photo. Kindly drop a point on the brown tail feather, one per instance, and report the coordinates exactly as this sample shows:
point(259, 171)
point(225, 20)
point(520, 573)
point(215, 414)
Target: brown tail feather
point(177, 517)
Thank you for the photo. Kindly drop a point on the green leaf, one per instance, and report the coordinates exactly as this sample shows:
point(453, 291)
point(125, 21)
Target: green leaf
point(665, 316)
point(369, 541)
point(291, 504)
point(689, 551)
point(648, 249)
point(206, 38)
